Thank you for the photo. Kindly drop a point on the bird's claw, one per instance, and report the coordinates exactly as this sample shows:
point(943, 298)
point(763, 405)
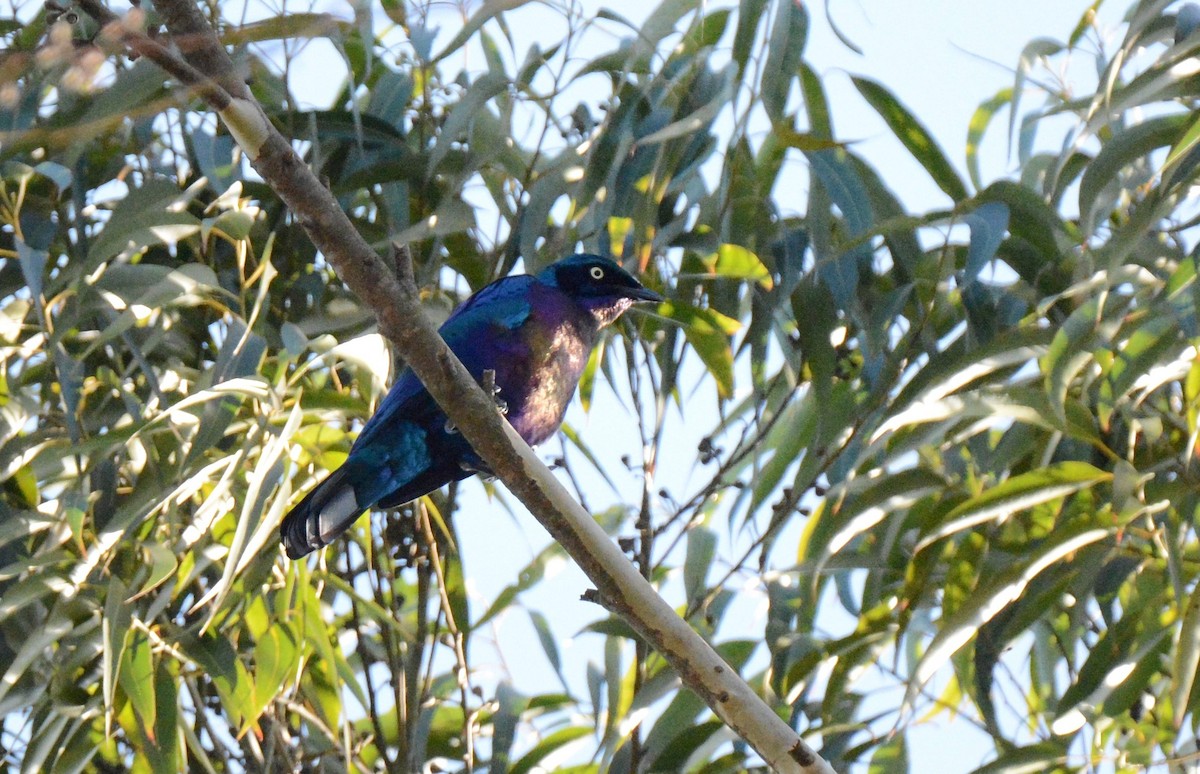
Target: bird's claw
point(501, 406)
point(501, 403)
point(489, 385)
point(473, 464)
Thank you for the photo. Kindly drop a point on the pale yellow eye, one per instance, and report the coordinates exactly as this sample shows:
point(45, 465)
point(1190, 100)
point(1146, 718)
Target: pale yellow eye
point(597, 273)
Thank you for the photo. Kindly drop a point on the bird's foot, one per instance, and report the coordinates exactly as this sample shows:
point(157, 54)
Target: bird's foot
point(501, 407)
point(475, 464)
point(488, 383)
point(501, 403)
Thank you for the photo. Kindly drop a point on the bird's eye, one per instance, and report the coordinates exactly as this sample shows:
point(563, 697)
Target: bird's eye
point(597, 273)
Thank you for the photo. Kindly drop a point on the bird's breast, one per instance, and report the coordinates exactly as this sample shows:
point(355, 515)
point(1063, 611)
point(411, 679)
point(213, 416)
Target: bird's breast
point(558, 352)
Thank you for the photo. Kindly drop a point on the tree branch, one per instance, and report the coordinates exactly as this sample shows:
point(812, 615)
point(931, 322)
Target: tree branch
point(395, 300)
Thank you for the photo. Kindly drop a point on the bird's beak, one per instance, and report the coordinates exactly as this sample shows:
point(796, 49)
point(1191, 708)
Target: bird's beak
point(644, 294)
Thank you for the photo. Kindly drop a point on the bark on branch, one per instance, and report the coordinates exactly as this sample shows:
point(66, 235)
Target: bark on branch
point(204, 66)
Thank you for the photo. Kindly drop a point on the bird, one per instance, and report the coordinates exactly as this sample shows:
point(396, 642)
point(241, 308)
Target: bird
point(535, 332)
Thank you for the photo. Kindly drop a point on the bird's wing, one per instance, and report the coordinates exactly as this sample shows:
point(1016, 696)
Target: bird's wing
point(488, 318)
point(477, 332)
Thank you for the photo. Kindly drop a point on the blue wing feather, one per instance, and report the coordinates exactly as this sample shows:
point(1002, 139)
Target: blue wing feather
point(404, 449)
point(476, 333)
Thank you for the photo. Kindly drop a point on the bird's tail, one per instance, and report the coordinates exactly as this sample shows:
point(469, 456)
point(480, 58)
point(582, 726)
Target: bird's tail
point(324, 513)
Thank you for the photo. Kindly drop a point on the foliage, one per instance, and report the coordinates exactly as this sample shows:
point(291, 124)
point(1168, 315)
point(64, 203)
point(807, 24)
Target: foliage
point(983, 416)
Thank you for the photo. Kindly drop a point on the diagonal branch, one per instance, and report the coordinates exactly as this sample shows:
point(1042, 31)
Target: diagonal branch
point(206, 68)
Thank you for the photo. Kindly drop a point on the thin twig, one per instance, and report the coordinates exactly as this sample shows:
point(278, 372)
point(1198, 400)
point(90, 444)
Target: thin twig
point(124, 30)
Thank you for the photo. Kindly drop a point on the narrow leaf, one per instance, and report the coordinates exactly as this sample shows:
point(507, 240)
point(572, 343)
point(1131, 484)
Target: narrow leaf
point(1185, 661)
point(993, 595)
point(987, 222)
point(913, 136)
point(736, 262)
point(1017, 494)
point(115, 630)
point(486, 13)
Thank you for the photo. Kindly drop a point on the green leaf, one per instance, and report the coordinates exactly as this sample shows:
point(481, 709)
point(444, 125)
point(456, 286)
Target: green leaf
point(57, 173)
point(276, 657)
point(549, 744)
point(1120, 151)
point(253, 529)
point(1016, 494)
point(452, 216)
point(575, 439)
point(698, 560)
point(549, 646)
point(488, 11)
point(1036, 49)
point(458, 123)
point(838, 268)
point(708, 30)
point(131, 95)
point(688, 741)
point(29, 590)
point(1128, 693)
point(35, 646)
point(913, 136)
point(164, 755)
point(366, 130)
point(749, 19)
point(987, 222)
point(234, 224)
point(816, 103)
point(993, 595)
point(1111, 661)
point(866, 503)
point(1071, 351)
point(33, 266)
point(148, 215)
point(137, 678)
point(708, 331)
point(736, 262)
point(660, 23)
point(390, 96)
point(804, 141)
point(1036, 223)
point(163, 564)
point(962, 365)
point(789, 33)
point(290, 26)
point(529, 576)
point(792, 436)
point(1087, 20)
point(116, 635)
point(1157, 340)
point(1185, 658)
point(508, 715)
point(1169, 77)
point(1032, 759)
point(699, 120)
point(844, 186)
point(891, 757)
point(220, 662)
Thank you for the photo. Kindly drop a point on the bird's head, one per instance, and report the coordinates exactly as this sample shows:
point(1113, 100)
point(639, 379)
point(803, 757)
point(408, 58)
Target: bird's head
point(598, 284)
